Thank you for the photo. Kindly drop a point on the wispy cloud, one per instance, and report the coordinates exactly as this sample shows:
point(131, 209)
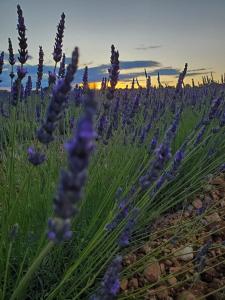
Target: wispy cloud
point(192, 74)
point(148, 47)
point(199, 70)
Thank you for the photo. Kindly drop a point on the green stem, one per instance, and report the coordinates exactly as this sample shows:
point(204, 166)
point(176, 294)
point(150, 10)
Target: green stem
point(19, 291)
point(6, 270)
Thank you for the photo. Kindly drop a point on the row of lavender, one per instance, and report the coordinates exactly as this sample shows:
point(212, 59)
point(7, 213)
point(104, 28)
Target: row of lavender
point(154, 148)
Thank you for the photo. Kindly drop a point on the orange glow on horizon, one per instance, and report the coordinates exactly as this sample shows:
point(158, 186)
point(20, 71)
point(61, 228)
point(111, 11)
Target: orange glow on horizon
point(165, 80)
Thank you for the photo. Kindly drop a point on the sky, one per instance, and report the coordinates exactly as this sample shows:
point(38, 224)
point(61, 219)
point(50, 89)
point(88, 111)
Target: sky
point(159, 35)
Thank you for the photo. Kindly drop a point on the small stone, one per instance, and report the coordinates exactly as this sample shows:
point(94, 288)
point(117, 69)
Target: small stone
point(185, 254)
point(133, 283)
point(175, 262)
point(214, 195)
point(146, 249)
point(186, 214)
point(207, 200)
point(186, 295)
point(162, 268)
point(129, 259)
point(152, 272)
point(190, 208)
point(162, 292)
point(168, 263)
point(151, 294)
point(197, 203)
point(218, 181)
point(213, 252)
point(222, 203)
point(124, 284)
point(172, 280)
point(213, 218)
point(218, 252)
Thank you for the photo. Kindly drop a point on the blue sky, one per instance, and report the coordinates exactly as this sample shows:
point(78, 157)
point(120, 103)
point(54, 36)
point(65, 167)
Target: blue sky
point(168, 32)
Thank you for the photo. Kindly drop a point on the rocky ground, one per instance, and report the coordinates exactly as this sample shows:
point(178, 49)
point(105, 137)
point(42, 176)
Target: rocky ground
point(184, 257)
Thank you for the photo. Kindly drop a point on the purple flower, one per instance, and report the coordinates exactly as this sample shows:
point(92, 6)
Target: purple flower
point(28, 88)
point(1, 61)
point(214, 108)
point(35, 157)
point(12, 60)
point(15, 92)
point(143, 136)
point(200, 135)
point(51, 78)
point(181, 79)
point(62, 69)
point(57, 54)
point(201, 256)
point(113, 72)
point(102, 124)
point(162, 156)
point(23, 53)
point(124, 206)
point(110, 284)
point(85, 78)
point(124, 239)
point(72, 181)
point(21, 72)
point(40, 69)
point(58, 102)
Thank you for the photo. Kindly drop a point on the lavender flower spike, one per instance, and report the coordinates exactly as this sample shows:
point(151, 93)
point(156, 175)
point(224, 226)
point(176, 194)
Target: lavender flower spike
point(113, 71)
point(72, 180)
point(34, 157)
point(58, 101)
point(23, 53)
point(12, 60)
point(62, 70)
point(57, 54)
point(40, 69)
point(1, 62)
point(181, 79)
point(110, 284)
point(85, 79)
point(28, 88)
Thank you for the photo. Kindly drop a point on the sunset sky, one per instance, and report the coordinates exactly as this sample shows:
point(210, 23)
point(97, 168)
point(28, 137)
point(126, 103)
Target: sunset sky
point(159, 35)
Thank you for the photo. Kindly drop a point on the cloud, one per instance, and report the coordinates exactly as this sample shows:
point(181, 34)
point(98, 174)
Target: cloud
point(96, 73)
point(124, 65)
point(169, 71)
point(198, 70)
point(148, 47)
point(162, 71)
point(192, 74)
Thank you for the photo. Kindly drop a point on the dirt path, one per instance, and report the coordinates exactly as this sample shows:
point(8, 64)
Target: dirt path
point(185, 256)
